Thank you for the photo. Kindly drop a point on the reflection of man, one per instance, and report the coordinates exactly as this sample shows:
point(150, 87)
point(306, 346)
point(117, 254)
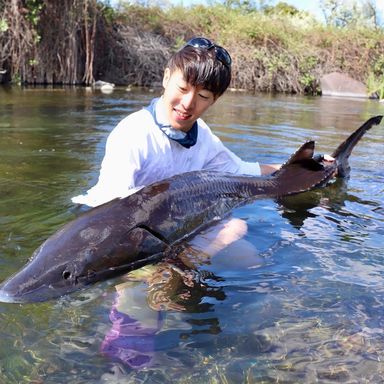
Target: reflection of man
point(134, 325)
point(138, 313)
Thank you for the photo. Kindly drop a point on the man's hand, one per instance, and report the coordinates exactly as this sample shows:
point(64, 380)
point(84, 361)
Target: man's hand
point(328, 158)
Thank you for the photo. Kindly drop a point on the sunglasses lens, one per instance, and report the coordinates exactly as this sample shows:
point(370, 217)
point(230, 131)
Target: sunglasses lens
point(200, 42)
point(223, 56)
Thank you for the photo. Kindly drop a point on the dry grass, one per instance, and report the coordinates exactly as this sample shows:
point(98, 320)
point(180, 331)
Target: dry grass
point(270, 53)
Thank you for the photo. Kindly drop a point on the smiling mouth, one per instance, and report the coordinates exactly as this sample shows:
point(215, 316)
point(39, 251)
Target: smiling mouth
point(182, 115)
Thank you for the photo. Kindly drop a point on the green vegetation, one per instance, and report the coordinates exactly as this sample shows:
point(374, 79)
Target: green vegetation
point(277, 49)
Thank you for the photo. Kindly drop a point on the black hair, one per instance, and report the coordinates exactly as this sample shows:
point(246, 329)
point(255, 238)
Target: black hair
point(200, 67)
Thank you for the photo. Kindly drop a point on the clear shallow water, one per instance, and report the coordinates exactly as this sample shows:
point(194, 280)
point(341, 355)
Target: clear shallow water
point(307, 308)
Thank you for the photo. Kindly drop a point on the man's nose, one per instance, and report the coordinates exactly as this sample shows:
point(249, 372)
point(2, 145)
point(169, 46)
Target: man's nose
point(188, 100)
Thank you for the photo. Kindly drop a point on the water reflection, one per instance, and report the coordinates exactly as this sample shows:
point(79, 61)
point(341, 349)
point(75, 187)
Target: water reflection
point(306, 307)
point(136, 319)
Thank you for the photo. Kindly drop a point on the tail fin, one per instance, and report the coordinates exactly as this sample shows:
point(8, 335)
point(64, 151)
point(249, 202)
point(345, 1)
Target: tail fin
point(302, 172)
point(343, 151)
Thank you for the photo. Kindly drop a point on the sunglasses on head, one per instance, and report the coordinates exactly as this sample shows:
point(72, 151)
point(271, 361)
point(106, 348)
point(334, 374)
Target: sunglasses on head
point(203, 43)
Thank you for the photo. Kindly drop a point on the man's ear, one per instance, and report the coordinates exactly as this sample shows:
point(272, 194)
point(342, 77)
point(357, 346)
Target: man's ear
point(167, 75)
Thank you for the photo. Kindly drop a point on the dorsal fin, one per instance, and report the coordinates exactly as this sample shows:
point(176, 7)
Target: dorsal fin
point(304, 156)
point(304, 152)
point(302, 172)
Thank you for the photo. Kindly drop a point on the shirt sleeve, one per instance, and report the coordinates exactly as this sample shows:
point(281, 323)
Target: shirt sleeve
point(116, 178)
point(223, 160)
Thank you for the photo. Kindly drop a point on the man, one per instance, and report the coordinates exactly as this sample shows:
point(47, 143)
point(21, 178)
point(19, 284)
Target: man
point(166, 138)
point(169, 137)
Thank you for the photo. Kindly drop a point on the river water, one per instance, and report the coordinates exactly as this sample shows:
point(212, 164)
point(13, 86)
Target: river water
point(302, 299)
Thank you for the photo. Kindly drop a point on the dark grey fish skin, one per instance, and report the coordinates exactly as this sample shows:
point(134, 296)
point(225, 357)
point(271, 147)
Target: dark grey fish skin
point(142, 228)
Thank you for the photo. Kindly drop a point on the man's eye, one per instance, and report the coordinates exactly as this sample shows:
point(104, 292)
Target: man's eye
point(204, 96)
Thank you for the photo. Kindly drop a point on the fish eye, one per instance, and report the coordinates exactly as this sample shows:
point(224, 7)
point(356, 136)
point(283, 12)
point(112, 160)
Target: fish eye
point(66, 275)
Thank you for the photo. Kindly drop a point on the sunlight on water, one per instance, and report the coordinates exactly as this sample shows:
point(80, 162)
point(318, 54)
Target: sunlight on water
point(299, 299)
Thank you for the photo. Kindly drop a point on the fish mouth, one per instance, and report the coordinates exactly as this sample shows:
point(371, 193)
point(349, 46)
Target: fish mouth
point(14, 298)
point(44, 293)
point(15, 290)
point(6, 297)
point(12, 292)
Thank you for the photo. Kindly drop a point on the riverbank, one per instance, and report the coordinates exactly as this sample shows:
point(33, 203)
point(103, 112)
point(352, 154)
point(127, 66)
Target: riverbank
point(272, 52)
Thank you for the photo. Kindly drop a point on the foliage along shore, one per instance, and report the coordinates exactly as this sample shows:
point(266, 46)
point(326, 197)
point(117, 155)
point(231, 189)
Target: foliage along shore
point(80, 41)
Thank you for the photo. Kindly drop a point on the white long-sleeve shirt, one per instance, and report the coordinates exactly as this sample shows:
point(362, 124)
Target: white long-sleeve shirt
point(139, 153)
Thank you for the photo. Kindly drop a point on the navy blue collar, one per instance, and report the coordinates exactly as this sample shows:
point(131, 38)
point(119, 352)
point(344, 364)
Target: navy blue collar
point(186, 139)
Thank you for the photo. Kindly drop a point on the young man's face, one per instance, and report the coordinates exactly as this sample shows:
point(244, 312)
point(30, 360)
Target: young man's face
point(184, 103)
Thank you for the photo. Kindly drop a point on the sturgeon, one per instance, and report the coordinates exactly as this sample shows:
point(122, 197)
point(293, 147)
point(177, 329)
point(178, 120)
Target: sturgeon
point(142, 228)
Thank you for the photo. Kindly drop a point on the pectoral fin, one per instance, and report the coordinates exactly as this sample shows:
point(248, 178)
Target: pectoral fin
point(141, 243)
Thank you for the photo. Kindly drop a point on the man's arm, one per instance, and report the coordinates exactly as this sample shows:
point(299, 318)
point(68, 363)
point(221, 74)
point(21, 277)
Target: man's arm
point(116, 177)
point(267, 169)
